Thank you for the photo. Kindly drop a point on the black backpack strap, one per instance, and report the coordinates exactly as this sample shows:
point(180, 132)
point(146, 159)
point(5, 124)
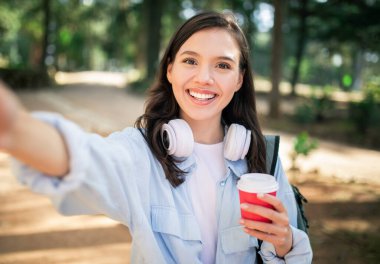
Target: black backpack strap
point(302, 222)
point(272, 146)
point(272, 143)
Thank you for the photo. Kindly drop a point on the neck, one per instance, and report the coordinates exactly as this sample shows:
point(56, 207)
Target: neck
point(206, 131)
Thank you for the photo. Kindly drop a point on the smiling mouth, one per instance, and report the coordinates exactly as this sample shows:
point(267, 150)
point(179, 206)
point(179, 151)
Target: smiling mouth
point(202, 96)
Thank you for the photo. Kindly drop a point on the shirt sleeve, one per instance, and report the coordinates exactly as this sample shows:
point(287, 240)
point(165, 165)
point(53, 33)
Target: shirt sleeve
point(301, 251)
point(102, 177)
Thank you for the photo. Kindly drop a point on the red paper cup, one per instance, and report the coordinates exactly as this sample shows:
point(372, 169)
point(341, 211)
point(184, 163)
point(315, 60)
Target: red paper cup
point(252, 184)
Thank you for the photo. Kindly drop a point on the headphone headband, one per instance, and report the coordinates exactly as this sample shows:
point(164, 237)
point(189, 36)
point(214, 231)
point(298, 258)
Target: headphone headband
point(177, 138)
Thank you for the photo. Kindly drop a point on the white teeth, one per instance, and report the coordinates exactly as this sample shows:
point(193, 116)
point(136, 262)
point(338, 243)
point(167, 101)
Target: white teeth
point(202, 96)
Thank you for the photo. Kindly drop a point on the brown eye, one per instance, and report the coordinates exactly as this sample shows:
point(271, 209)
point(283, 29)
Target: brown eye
point(189, 61)
point(224, 66)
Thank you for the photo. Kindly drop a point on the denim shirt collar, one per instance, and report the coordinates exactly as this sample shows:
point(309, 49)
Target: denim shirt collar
point(238, 167)
point(186, 164)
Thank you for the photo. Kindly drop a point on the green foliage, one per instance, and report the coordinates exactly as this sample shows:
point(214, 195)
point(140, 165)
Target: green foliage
point(304, 114)
point(365, 114)
point(140, 86)
point(373, 89)
point(114, 31)
point(347, 22)
point(316, 108)
point(9, 23)
point(25, 78)
point(322, 103)
point(302, 145)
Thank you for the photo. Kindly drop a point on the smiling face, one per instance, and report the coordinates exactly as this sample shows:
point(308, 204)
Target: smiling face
point(205, 74)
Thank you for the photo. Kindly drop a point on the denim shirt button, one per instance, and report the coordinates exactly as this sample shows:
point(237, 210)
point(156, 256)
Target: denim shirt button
point(222, 183)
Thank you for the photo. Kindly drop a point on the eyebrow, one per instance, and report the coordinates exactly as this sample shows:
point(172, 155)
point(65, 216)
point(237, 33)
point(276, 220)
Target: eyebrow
point(193, 53)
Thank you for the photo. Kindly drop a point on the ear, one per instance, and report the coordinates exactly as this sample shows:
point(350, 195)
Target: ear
point(240, 80)
point(169, 72)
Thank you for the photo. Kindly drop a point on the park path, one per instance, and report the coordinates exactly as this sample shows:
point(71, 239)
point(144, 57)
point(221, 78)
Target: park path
point(32, 232)
point(103, 109)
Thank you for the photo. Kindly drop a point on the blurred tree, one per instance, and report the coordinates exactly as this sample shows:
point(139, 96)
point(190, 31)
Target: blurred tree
point(246, 9)
point(337, 26)
point(120, 31)
point(46, 23)
point(302, 14)
point(356, 25)
point(276, 60)
point(10, 24)
point(81, 45)
point(22, 49)
point(213, 4)
point(156, 23)
point(120, 34)
point(153, 11)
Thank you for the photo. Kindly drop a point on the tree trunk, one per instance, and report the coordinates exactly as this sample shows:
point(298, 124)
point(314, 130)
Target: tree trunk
point(45, 40)
point(153, 10)
point(301, 43)
point(276, 61)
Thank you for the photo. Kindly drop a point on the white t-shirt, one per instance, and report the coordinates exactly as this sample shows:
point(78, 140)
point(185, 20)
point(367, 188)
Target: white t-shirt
point(202, 185)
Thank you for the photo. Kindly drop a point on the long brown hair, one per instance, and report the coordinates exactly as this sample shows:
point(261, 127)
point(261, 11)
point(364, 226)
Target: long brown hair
point(161, 106)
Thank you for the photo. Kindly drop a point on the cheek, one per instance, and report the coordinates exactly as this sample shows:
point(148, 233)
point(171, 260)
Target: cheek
point(176, 89)
point(232, 85)
point(180, 77)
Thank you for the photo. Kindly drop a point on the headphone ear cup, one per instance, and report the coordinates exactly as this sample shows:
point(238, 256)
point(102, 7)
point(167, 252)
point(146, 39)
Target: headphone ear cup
point(177, 138)
point(237, 142)
point(246, 144)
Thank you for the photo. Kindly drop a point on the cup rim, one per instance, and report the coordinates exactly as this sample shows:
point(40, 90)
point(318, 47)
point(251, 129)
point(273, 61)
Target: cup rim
point(257, 183)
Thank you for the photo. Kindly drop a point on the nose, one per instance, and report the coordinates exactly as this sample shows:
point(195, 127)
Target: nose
point(204, 75)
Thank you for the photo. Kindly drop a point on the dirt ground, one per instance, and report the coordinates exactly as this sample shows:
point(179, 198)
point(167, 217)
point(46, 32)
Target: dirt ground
point(344, 215)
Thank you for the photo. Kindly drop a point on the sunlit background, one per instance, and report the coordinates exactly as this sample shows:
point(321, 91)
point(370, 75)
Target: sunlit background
point(317, 80)
point(331, 42)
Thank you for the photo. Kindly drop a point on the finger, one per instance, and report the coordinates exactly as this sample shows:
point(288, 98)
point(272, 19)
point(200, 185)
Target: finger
point(272, 200)
point(265, 227)
point(273, 239)
point(274, 216)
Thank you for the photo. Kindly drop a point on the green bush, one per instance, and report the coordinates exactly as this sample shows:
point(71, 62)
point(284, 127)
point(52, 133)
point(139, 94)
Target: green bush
point(25, 78)
point(365, 114)
point(304, 114)
point(302, 145)
point(317, 108)
point(322, 104)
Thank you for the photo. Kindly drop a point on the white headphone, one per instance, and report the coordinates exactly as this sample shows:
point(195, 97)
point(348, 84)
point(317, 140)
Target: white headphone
point(178, 140)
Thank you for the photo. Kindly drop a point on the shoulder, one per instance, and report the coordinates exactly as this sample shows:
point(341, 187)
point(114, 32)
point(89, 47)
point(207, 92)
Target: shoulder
point(129, 134)
point(132, 140)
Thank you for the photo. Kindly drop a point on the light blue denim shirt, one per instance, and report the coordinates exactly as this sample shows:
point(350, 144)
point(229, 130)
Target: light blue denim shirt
point(118, 176)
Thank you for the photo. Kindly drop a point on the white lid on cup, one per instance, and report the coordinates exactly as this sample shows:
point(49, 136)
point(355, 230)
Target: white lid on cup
point(257, 183)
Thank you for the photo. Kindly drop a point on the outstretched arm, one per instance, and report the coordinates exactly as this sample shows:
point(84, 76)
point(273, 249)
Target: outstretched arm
point(29, 140)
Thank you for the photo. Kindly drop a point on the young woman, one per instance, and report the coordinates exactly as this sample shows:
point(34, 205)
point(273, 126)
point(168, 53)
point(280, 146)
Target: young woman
point(172, 179)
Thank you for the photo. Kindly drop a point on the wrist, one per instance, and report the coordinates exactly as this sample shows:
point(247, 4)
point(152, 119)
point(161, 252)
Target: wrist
point(18, 121)
point(284, 248)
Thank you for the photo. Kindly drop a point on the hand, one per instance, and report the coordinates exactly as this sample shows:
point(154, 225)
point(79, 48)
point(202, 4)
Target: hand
point(278, 232)
point(30, 140)
point(10, 110)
